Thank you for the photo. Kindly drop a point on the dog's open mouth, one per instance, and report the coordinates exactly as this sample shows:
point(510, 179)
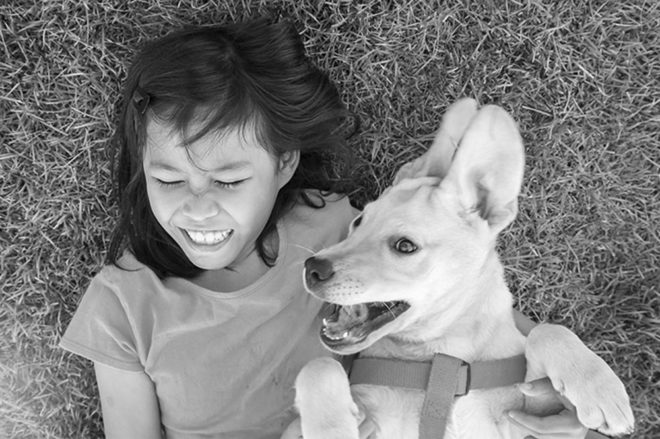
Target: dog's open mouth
point(347, 325)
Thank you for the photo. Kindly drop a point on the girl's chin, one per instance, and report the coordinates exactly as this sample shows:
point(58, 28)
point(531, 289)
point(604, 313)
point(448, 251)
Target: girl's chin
point(208, 259)
point(217, 260)
point(209, 264)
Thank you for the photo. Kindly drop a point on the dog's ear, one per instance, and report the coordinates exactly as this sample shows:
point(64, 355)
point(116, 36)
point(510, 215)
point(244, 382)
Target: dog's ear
point(487, 169)
point(436, 161)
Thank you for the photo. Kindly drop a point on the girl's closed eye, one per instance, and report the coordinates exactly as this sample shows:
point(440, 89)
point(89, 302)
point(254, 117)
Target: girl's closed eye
point(168, 183)
point(230, 184)
point(175, 183)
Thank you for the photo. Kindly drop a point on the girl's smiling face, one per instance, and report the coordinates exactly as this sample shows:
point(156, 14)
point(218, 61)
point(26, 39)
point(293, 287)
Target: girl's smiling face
point(214, 196)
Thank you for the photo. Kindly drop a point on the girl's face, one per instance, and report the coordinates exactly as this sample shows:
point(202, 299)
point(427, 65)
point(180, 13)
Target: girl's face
point(215, 196)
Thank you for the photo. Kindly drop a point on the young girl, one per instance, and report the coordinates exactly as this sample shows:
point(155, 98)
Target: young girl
point(198, 324)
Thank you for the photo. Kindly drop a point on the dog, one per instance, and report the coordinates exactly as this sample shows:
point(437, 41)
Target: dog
point(418, 276)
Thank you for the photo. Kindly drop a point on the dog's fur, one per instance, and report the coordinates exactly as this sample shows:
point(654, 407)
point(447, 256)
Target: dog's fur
point(448, 206)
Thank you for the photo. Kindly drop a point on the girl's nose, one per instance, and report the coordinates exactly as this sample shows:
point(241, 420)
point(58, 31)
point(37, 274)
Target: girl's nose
point(201, 207)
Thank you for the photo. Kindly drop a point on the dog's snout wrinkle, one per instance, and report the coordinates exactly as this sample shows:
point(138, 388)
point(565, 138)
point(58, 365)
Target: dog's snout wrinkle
point(317, 270)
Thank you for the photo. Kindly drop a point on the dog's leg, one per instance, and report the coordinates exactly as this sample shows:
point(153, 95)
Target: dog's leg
point(324, 401)
point(582, 377)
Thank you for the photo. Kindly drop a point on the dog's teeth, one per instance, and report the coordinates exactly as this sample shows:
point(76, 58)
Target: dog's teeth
point(325, 322)
point(344, 335)
point(333, 337)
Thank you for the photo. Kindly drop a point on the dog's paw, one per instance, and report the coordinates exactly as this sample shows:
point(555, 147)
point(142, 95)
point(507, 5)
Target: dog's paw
point(324, 401)
point(598, 395)
point(582, 377)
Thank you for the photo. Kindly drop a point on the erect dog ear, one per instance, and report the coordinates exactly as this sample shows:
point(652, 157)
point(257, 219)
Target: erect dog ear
point(488, 166)
point(436, 160)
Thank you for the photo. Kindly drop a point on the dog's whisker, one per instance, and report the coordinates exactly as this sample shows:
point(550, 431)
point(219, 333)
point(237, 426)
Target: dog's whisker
point(304, 248)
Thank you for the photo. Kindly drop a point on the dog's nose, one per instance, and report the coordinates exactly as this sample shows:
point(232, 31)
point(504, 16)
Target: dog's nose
point(317, 270)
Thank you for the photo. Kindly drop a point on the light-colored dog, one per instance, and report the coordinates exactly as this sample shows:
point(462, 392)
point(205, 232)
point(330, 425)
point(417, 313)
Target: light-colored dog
point(419, 275)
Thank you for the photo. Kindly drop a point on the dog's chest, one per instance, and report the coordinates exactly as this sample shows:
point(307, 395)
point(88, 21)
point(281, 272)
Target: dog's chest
point(396, 411)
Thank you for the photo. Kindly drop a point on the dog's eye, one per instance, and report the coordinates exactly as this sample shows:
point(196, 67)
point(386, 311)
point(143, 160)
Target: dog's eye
point(356, 222)
point(406, 246)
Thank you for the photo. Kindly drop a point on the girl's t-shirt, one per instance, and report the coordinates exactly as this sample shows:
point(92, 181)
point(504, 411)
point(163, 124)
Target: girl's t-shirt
point(223, 364)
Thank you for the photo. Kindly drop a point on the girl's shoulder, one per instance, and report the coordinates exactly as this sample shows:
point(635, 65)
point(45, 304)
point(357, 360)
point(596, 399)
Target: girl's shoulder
point(126, 276)
point(321, 221)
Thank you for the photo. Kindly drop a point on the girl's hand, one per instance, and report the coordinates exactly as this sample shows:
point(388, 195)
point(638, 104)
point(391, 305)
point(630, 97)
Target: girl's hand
point(564, 425)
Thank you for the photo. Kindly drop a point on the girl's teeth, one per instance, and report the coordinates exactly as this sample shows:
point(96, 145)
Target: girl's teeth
point(207, 238)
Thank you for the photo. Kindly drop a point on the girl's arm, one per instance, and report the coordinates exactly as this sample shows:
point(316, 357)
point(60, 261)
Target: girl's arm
point(128, 402)
point(523, 323)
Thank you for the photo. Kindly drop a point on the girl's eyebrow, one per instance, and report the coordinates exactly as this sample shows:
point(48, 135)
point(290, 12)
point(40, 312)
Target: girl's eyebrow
point(231, 166)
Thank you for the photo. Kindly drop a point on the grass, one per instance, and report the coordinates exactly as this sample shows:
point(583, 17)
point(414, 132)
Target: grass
point(581, 77)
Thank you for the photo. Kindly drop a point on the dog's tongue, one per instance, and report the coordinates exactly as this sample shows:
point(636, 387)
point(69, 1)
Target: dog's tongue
point(344, 320)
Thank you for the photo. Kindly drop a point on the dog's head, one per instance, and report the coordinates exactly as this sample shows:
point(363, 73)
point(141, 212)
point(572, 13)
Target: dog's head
point(413, 253)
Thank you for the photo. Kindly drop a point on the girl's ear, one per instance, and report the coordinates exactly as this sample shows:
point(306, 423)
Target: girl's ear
point(288, 163)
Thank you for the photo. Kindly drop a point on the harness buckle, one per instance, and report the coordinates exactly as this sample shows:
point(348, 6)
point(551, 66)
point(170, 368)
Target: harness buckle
point(464, 379)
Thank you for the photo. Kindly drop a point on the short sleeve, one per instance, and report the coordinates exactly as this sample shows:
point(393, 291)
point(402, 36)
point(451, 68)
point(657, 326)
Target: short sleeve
point(100, 329)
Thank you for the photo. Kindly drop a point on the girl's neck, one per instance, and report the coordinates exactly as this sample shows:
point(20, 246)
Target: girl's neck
point(228, 280)
point(239, 275)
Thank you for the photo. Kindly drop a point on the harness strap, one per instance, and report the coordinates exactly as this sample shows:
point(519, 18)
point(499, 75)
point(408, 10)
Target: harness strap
point(435, 377)
point(437, 401)
point(415, 374)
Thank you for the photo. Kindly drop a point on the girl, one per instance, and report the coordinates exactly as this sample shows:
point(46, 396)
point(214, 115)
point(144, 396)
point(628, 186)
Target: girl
point(198, 324)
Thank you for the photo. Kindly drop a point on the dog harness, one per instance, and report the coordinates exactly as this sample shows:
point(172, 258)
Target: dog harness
point(443, 378)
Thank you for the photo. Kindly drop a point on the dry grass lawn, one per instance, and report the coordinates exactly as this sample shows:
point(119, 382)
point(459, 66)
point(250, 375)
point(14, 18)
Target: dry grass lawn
point(581, 77)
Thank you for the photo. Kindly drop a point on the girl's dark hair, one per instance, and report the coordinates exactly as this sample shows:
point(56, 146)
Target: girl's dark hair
point(223, 77)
